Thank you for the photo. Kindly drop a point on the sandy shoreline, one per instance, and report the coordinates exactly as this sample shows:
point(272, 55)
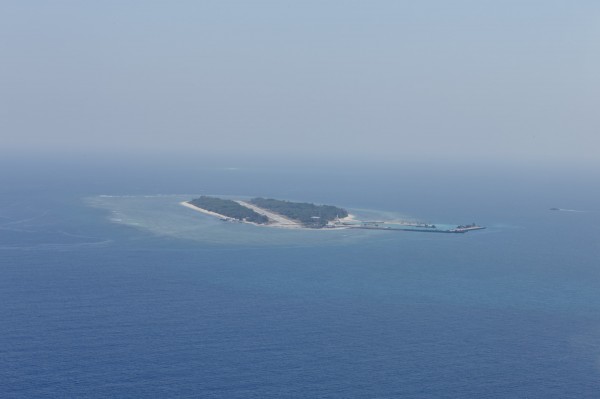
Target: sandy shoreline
point(349, 218)
point(275, 220)
point(194, 207)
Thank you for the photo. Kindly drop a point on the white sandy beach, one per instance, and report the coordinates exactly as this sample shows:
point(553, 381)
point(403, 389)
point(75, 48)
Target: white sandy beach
point(188, 205)
point(349, 218)
point(275, 220)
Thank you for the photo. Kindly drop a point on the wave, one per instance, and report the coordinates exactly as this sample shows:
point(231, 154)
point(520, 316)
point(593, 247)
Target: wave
point(29, 219)
point(56, 247)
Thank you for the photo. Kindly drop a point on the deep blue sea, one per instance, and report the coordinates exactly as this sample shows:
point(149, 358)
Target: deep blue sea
point(109, 288)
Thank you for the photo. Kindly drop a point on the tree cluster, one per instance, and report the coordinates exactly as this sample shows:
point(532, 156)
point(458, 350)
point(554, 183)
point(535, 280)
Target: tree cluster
point(229, 208)
point(310, 215)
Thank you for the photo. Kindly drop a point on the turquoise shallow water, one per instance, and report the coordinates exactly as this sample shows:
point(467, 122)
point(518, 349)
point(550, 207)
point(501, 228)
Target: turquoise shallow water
point(164, 215)
point(135, 296)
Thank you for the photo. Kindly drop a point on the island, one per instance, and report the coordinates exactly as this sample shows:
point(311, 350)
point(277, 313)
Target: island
point(305, 215)
point(271, 212)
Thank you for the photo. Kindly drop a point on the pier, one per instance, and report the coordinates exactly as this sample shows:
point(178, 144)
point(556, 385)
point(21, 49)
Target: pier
point(408, 226)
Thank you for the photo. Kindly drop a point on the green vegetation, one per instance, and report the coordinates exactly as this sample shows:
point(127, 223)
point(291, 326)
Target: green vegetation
point(229, 208)
point(310, 215)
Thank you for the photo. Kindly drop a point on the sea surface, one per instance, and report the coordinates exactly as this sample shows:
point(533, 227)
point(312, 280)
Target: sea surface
point(110, 288)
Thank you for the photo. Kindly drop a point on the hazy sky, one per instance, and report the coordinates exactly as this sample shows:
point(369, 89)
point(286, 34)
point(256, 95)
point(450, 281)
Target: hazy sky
point(504, 80)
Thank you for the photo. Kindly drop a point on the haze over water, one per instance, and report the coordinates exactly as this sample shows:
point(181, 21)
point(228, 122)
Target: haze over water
point(428, 80)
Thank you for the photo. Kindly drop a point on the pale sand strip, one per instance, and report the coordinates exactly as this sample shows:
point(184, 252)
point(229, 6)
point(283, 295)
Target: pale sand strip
point(194, 207)
point(349, 218)
point(275, 220)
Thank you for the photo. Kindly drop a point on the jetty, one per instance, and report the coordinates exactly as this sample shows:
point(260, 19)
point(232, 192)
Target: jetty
point(416, 227)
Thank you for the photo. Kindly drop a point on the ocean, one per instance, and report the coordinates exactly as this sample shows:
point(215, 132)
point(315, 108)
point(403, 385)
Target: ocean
point(110, 288)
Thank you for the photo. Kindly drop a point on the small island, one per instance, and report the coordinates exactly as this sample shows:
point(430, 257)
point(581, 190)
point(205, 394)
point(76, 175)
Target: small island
point(305, 215)
point(271, 212)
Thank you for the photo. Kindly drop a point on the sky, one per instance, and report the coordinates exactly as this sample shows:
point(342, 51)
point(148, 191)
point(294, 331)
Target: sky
point(512, 81)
